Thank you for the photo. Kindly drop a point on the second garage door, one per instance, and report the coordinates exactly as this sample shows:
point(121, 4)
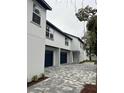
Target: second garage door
point(63, 57)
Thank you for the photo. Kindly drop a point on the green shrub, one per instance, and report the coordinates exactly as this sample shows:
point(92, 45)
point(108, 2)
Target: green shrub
point(42, 75)
point(92, 61)
point(35, 78)
point(84, 61)
point(95, 62)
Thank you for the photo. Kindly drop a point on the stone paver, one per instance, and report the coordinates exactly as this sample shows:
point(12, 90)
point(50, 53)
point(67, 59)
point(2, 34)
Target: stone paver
point(66, 79)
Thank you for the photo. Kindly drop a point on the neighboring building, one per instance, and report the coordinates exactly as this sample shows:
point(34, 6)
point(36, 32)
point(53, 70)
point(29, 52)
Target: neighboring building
point(47, 45)
point(36, 28)
point(77, 47)
point(58, 46)
point(62, 47)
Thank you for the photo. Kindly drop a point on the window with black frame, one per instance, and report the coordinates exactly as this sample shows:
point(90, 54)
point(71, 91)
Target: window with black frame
point(36, 15)
point(66, 41)
point(49, 33)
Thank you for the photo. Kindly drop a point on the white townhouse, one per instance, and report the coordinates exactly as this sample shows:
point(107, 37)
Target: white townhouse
point(58, 46)
point(47, 45)
point(62, 47)
point(77, 48)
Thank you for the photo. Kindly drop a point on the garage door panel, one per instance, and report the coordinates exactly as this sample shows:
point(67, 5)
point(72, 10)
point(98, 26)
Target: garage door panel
point(48, 58)
point(63, 57)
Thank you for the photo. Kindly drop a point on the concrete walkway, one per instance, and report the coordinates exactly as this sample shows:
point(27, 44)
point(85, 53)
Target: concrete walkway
point(66, 79)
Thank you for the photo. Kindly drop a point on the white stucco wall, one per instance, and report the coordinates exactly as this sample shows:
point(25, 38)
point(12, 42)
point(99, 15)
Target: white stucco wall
point(75, 46)
point(35, 42)
point(35, 56)
point(32, 28)
point(58, 41)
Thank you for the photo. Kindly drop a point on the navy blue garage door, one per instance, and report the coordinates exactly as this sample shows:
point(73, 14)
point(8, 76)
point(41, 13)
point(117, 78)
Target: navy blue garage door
point(63, 57)
point(48, 58)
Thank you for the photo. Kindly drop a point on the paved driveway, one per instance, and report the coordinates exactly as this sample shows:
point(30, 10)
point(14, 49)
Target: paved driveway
point(66, 79)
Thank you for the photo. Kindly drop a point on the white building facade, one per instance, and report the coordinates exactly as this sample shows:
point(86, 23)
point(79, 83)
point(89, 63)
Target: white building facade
point(47, 45)
point(36, 27)
point(59, 44)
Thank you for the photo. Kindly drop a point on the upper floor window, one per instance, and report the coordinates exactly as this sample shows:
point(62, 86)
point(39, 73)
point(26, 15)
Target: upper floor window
point(66, 41)
point(49, 32)
point(36, 15)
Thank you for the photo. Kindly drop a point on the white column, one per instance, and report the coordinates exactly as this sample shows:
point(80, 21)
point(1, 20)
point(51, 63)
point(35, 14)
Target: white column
point(70, 57)
point(57, 57)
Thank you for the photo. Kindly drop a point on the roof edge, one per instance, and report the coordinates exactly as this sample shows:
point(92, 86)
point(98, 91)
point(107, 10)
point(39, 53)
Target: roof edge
point(44, 4)
point(75, 37)
point(56, 28)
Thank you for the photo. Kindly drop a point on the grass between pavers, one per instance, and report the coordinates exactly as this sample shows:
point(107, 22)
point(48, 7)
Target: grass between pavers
point(89, 61)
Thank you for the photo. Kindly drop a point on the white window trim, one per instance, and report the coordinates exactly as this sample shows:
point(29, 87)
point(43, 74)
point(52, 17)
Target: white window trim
point(50, 33)
point(36, 14)
point(66, 41)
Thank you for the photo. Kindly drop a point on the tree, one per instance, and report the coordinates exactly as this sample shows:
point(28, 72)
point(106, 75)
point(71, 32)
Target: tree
point(92, 28)
point(84, 14)
point(90, 38)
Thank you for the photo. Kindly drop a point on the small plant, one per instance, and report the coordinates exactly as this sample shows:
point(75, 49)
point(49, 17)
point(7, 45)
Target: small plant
point(42, 75)
point(35, 78)
point(95, 62)
point(84, 61)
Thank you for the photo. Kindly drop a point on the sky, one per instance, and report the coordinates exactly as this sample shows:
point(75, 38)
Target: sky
point(63, 15)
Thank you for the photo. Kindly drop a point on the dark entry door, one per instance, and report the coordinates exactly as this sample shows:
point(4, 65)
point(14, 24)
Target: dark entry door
point(63, 57)
point(48, 58)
